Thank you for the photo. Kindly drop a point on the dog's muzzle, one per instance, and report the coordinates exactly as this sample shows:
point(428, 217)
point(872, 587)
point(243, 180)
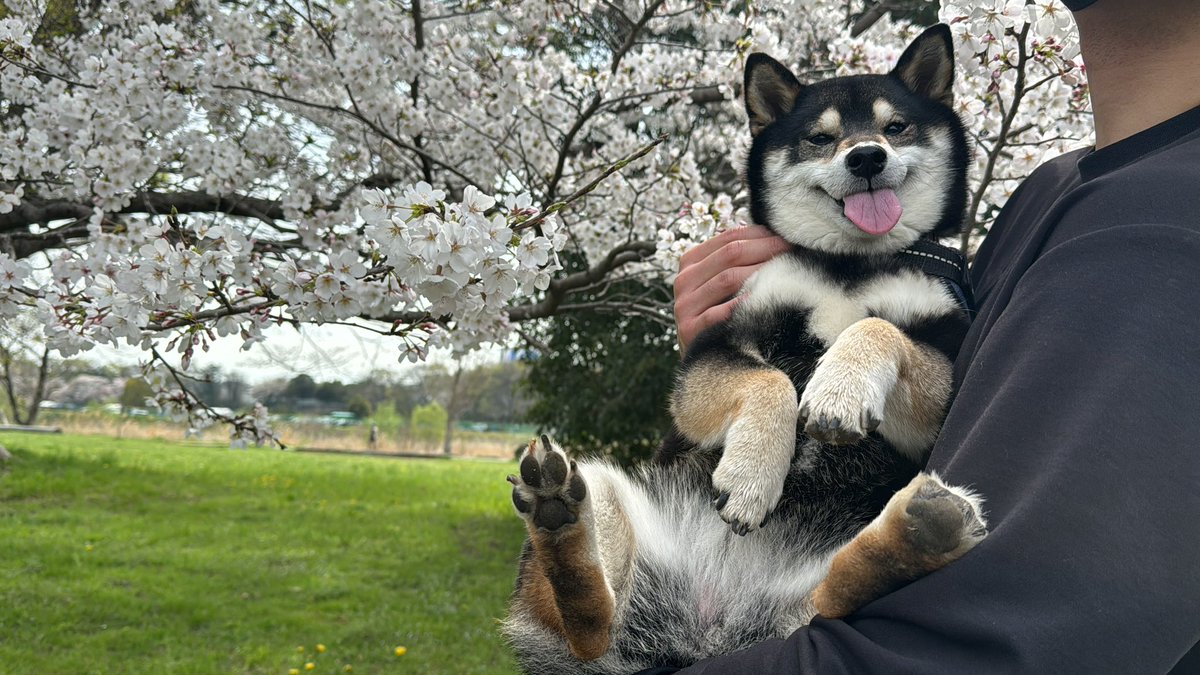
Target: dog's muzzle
point(866, 161)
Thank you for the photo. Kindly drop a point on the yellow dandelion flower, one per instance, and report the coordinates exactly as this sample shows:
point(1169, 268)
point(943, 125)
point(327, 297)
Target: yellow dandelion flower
point(300, 649)
point(310, 666)
point(320, 649)
point(293, 671)
point(401, 651)
point(347, 667)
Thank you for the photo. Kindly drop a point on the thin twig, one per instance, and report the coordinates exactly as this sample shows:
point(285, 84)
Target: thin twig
point(190, 398)
point(562, 204)
point(1001, 140)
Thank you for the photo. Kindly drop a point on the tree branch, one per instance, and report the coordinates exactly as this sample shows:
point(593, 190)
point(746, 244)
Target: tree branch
point(6, 362)
point(199, 318)
point(21, 243)
point(560, 205)
point(870, 17)
point(634, 251)
point(1001, 140)
point(415, 87)
point(565, 149)
point(33, 211)
point(373, 127)
point(39, 391)
point(192, 401)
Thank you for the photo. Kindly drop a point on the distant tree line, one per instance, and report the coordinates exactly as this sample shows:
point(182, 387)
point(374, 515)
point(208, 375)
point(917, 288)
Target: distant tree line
point(492, 393)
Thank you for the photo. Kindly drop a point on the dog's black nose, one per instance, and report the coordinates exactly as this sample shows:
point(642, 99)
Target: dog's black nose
point(866, 161)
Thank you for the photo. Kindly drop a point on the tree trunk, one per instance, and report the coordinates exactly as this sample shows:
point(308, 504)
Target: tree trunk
point(6, 363)
point(39, 392)
point(452, 410)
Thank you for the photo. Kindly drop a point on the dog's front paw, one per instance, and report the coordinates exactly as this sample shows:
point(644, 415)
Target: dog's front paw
point(550, 492)
point(749, 478)
point(843, 402)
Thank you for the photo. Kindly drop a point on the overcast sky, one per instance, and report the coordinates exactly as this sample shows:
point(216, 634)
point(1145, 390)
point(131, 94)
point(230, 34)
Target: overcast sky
point(324, 353)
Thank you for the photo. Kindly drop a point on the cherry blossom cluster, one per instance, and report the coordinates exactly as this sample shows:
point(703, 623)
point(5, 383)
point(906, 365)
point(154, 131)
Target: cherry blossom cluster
point(1022, 92)
point(176, 172)
point(469, 260)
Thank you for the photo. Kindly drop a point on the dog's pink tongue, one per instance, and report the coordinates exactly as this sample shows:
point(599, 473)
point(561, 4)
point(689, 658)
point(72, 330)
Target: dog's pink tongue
point(874, 211)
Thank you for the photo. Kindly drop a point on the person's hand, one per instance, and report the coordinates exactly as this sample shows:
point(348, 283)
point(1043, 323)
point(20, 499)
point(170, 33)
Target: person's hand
point(711, 273)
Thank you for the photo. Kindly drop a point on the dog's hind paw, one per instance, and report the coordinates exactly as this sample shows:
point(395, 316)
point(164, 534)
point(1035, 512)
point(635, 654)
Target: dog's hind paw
point(939, 520)
point(550, 492)
point(924, 527)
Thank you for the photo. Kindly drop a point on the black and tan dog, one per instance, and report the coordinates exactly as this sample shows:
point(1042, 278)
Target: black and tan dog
point(749, 523)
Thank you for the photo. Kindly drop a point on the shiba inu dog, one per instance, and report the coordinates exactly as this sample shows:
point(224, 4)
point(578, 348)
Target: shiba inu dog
point(790, 485)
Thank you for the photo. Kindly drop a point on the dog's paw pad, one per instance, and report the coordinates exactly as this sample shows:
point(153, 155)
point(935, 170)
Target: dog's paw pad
point(531, 470)
point(940, 521)
point(520, 497)
point(550, 492)
point(552, 514)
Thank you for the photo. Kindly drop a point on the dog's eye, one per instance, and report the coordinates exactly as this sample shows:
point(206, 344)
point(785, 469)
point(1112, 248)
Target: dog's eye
point(895, 128)
point(820, 139)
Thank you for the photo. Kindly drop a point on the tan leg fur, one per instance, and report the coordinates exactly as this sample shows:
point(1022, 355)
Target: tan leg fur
point(752, 413)
point(568, 592)
point(568, 584)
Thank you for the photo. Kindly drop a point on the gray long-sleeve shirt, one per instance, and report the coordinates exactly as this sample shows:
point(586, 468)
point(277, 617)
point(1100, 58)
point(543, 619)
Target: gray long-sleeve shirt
point(1078, 418)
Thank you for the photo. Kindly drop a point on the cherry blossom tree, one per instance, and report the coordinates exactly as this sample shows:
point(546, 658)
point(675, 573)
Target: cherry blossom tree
point(25, 370)
point(175, 171)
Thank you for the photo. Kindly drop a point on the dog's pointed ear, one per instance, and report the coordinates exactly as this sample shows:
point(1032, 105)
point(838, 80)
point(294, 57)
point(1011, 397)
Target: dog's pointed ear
point(770, 91)
point(927, 65)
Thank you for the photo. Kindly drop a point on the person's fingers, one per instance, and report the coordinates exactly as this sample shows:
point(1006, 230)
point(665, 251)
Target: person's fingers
point(718, 289)
point(713, 315)
point(708, 247)
point(711, 303)
point(739, 252)
point(712, 272)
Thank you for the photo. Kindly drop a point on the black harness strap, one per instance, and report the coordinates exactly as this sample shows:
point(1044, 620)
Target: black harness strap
point(945, 263)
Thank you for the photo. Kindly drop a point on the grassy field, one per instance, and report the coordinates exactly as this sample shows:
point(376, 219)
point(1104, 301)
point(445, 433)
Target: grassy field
point(126, 556)
point(465, 443)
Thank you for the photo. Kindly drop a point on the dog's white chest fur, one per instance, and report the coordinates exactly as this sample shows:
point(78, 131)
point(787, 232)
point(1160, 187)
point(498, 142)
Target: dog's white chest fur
point(901, 297)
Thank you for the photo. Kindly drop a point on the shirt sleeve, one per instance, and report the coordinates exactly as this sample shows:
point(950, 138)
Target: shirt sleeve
point(1079, 422)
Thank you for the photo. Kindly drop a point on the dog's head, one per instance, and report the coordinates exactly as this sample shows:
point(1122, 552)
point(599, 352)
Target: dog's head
point(863, 164)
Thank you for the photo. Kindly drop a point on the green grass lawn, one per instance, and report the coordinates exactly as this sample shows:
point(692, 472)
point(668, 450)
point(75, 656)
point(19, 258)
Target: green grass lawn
point(122, 556)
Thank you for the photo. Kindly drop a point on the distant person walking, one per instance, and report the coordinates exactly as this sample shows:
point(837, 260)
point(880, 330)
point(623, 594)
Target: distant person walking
point(373, 439)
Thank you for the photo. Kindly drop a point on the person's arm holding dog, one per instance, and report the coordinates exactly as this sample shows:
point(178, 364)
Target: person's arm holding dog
point(1077, 411)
